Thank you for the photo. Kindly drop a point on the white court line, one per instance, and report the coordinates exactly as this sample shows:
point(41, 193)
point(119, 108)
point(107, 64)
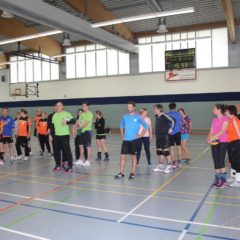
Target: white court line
point(23, 234)
point(124, 213)
point(182, 235)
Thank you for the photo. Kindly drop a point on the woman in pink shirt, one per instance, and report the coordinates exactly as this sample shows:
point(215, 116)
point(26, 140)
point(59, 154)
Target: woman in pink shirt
point(147, 137)
point(218, 139)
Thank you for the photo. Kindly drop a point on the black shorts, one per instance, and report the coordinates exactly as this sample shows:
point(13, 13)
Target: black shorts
point(100, 137)
point(6, 140)
point(86, 139)
point(219, 155)
point(175, 139)
point(162, 142)
point(129, 147)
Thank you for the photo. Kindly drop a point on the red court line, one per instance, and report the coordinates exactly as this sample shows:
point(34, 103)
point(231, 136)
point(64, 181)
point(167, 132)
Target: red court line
point(52, 190)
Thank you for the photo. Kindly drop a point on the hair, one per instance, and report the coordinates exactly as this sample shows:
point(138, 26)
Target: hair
point(132, 103)
point(6, 108)
point(78, 111)
point(221, 107)
point(86, 103)
point(99, 113)
point(24, 111)
point(143, 110)
point(159, 106)
point(181, 109)
point(172, 106)
point(232, 110)
point(43, 112)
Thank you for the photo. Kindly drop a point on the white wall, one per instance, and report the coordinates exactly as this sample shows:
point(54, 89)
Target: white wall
point(218, 80)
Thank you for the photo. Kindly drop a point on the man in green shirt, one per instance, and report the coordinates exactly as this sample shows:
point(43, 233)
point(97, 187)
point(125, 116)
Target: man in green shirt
point(86, 120)
point(61, 119)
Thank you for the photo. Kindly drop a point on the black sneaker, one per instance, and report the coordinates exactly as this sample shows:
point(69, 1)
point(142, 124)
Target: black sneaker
point(68, 170)
point(106, 159)
point(119, 176)
point(131, 176)
point(57, 169)
point(98, 159)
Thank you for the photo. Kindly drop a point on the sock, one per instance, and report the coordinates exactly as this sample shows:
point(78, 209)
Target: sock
point(106, 154)
point(2, 156)
point(99, 154)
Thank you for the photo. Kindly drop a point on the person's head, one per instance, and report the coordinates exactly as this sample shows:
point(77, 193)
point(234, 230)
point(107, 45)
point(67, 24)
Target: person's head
point(18, 115)
point(5, 112)
point(144, 112)
point(172, 106)
point(43, 115)
point(158, 109)
point(39, 112)
point(182, 112)
point(231, 110)
point(218, 109)
point(23, 112)
point(238, 108)
point(98, 114)
point(131, 106)
point(59, 107)
point(85, 106)
point(79, 112)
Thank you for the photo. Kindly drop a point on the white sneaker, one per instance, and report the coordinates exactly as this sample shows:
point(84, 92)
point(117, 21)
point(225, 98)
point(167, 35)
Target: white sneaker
point(86, 164)
point(160, 168)
point(2, 163)
point(12, 158)
point(31, 154)
point(26, 158)
point(168, 169)
point(49, 154)
point(78, 162)
point(19, 157)
point(231, 180)
point(235, 184)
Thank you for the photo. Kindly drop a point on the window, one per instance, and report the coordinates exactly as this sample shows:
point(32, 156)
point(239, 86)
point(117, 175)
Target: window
point(27, 70)
point(96, 60)
point(211, 48)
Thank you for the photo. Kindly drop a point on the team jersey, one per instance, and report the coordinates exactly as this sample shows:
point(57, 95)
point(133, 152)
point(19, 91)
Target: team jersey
point(8, 126)
point(232, 134)
point(100, 126)
point(57, 120)
point(24, 125)
point(163, 124)
point(87, 116)
point(131, 124)
point(42, 126)
point(176, 116)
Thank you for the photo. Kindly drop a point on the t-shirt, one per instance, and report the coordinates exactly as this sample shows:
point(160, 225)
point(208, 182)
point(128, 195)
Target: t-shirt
point(232, 134)
point(24, 124)
point(57, 120)
point(176, 116)
point(131, 123)
point(8, 127)
point(100, 126)
point(185, 125)
point(163, 124)
point(217, 124)
point(87, 116)
point(42, 126)
point(50, 124)
point(149, 123)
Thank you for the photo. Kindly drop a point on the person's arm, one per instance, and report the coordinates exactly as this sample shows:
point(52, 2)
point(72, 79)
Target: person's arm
point(221, 132)
point(29, 128)
point(236, 128)
point(122, 133)
point(190, 125)
point(74, 130)
point(171, 121)
point(150, 127)
point(122, 128)
point(145, 127)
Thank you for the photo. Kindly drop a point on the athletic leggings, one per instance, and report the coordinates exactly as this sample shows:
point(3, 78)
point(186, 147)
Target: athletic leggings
point(219, 154)
point(22, 142)
point(145, 141)
point(44, 141)
point(234, 150)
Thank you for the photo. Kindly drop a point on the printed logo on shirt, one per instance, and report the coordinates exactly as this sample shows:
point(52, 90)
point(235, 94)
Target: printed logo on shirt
point(134, 119)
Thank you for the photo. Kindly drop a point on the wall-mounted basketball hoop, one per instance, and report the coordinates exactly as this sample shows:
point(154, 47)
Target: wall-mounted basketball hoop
point(23, 90)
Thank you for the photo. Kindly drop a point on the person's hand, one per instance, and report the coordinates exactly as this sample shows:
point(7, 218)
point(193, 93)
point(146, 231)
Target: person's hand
point(170, 131)
point(150, 138)
point(51, 138)
point(139, 136)
point(64, 122)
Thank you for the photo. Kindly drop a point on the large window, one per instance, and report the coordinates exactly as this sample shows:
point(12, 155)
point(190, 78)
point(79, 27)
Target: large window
point(95, 60)
point(211, 49)
point(27, 70)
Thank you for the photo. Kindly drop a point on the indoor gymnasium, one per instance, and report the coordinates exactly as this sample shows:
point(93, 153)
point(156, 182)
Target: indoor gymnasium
point(120, 119)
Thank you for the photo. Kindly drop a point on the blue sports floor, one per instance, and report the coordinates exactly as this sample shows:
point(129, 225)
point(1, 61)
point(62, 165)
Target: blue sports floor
point(36, 203)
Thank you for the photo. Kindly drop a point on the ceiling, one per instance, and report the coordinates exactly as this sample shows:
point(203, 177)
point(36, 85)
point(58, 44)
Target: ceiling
point(205, 11)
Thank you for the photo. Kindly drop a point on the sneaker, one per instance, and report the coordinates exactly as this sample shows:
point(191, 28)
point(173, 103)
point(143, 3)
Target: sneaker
point(19, 157)
point(86, 164)
point(160, 168)
point(106, 159)
point(131, 176)
point(179, 163)
point(119, 176)
point(26, 159)
point(215, 184)
point(2, 162)
point(49, 154)
point(41, 154)
point(231, 180)
point(168, 169)
point(98, 159)
point(31, 154)
point(79, 162)
point(235, 184)
point(56, 169)
point(12, 158)
point(174, 165)
point(68, 170)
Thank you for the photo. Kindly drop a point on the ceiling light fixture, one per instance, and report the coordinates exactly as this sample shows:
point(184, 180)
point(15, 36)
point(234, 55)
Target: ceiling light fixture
point(66, 40)
point(6, 15)
point(162, 26)
point(144, 17)
point(29, 37)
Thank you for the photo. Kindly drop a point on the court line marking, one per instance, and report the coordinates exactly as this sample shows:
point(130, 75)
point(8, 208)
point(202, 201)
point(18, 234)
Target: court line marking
point(161, 187)
point(23, 234)
point(124, 213)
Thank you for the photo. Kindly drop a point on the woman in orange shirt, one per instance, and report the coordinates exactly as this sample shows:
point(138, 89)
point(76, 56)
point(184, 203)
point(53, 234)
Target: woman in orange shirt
point(233, 136)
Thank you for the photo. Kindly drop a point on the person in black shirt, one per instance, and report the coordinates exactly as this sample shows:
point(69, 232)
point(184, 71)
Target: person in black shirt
point(101, 136)
point(163, 127)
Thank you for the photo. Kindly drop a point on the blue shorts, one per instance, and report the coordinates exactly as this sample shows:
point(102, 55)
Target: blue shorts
point(185, 136)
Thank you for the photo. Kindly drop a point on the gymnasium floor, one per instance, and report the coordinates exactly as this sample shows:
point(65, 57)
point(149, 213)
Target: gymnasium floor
point(36, 203)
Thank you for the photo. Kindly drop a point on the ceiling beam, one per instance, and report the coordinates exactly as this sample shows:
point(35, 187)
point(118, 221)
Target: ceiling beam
point(188, 28)
point(12, 28)
point(98, 13)
point(228, 11)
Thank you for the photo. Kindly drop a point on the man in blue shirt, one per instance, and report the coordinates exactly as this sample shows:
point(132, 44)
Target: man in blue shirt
point(129, 128)
point(8, 126)
point(175, 136)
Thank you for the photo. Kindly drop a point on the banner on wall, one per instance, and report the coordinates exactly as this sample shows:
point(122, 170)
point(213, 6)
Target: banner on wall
point(181, 74)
